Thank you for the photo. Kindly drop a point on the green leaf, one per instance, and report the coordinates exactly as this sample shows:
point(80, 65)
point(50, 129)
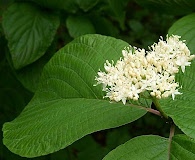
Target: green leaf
point(88, 148)
point(30, 75)
point(180, 6)
point(117, 10)
point(182, 147)
point(136, 26)
point(66, 105)
point(86, 5)
point(68, 5)
point(29, 30)
point(155, 147)
point(185, 27)
point(182, 110)
point(13, 98)
point(142, 147)
point(104, 26)
point(50, 126)
point(79, 25)
point(117, 137)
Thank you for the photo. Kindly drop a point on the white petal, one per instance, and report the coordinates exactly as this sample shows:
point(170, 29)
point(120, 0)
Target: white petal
point(183, 68)
point(124, 100)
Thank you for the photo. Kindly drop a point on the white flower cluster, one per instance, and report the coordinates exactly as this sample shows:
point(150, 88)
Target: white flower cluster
point(139, 70)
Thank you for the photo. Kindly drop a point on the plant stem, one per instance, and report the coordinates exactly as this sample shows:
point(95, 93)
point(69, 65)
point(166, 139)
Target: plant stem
point(172, 131)
point(154, 111)
point(157, 105)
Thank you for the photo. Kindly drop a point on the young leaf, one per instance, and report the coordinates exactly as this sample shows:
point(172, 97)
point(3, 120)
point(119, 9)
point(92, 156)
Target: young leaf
point(182, 147)
point(185, 27)
point(29, 31)
point(79, 25)
point(66, 105)
point(142, 147)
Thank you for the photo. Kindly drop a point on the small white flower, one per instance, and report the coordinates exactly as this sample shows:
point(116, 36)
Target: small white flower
point(182, 61)
point(141, 70)
point(175, 92)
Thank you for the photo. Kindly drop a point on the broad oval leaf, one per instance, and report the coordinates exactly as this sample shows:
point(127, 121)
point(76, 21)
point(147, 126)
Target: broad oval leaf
point(48, 127)
point(141, 148)
point(182, 147)
point(29, 30)
point(66, 105)
point(185, 27)
point(182, 109)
